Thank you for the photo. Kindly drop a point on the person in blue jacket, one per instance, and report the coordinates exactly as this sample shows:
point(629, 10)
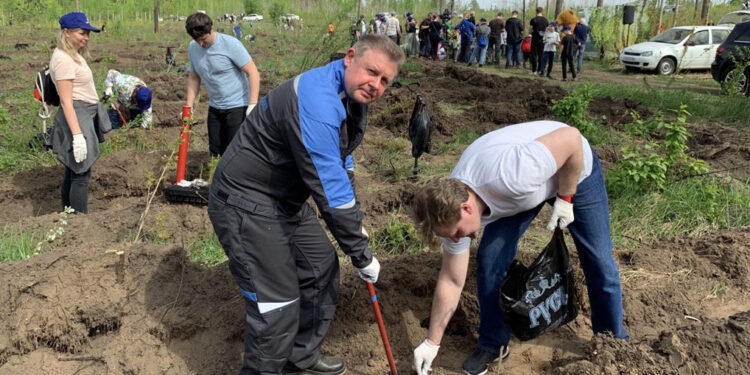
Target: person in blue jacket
point(296, 143)
point(466, 31)
point(581, 32)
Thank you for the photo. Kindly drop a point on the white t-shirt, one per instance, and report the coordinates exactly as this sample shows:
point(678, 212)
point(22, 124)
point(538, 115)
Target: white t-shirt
point(63, 67)
point(550, 38)
point(511, 172)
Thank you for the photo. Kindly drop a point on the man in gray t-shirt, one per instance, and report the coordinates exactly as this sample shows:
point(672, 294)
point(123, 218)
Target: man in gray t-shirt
point(500, 183)
point(230, 75)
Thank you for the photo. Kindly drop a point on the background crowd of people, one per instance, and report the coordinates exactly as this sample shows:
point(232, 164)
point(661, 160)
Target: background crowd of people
point(440, 36)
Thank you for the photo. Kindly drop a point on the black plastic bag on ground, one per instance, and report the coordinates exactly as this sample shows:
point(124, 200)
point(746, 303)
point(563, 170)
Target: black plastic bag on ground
point(420, 128)
point(542, 297)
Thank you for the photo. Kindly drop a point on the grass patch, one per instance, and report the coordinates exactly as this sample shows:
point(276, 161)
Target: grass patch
point(689, 207)
point(397, 237)
point(455, 109)
point(729, 110)
point(17, 243)
point(206, 250)
point(464, 137)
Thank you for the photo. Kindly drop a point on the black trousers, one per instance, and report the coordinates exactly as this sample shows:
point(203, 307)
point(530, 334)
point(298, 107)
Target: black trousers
point(465, 52)
point(537, 50)
point(288, 273)
point(493, 49)
point(567, 61)
point(222, 125)
point(75, 190)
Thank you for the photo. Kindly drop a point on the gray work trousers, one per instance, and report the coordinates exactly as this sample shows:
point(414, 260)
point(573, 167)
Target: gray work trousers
point(288, 273)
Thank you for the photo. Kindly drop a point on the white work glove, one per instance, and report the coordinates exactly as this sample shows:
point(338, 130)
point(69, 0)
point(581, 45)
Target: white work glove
point(562, 211)
point(249, 109)
point(423, 356)
point(79, 148)
point(108, 92)
point(370, 273)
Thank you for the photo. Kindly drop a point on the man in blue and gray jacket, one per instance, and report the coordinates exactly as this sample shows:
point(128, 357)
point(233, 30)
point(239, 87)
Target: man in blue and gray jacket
point(296, 143)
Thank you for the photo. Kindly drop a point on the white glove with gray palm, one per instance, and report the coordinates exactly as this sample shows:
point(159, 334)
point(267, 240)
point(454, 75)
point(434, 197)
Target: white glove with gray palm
point(424, 354)
point(79, 148)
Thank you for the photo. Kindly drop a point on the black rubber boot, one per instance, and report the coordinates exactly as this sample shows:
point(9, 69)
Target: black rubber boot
point(324, 366)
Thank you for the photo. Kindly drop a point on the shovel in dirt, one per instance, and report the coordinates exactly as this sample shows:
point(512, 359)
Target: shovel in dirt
point(381, 326)
point(195, 192)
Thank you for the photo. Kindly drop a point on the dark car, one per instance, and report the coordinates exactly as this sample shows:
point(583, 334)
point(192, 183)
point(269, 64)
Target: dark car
point(737, 44)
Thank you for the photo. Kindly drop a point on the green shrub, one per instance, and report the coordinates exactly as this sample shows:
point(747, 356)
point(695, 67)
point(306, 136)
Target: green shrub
point(650, 166)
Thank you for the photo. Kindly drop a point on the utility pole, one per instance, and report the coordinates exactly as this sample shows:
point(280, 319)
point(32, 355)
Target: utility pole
point(156, 16)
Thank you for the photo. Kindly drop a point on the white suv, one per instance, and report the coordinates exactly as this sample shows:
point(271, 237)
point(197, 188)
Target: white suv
point(684, 47)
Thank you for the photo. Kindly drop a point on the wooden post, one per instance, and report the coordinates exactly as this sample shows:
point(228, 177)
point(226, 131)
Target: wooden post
point(558, 7)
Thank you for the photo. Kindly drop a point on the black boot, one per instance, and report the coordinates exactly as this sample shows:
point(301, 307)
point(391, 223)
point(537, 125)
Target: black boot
point(324, 366)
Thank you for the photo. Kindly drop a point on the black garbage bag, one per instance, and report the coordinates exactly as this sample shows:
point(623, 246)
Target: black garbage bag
point(542, 297)
point(420, 128)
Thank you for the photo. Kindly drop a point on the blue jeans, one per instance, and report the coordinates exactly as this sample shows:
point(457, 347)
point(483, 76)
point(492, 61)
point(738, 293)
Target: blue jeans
point(590, 232)
point(580, 49)
point(513, 57)
point(479, 53)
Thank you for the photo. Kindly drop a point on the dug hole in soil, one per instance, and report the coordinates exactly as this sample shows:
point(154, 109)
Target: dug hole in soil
point(97, 304)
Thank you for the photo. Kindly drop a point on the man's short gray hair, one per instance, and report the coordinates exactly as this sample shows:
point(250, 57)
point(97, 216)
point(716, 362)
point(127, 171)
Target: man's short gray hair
point(582, 20)
point(381, 43)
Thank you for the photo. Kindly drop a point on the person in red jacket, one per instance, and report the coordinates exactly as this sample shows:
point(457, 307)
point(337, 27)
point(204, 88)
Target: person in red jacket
point(526, 49)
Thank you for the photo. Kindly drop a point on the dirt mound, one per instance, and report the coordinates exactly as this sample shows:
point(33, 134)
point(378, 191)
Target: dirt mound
point(699, 349)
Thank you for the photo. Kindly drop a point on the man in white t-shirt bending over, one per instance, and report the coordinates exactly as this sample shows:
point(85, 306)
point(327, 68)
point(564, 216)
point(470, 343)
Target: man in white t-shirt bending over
point(501, 183)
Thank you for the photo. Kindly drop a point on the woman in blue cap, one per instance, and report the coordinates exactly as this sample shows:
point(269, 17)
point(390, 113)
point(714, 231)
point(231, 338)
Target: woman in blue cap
point(75, 138)
point(132, 96)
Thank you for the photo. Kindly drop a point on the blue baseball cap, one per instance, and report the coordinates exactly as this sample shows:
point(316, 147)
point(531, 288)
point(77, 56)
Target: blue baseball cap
point(143, 98)
point(566, 28)
point(76, 20)
point(553, 24)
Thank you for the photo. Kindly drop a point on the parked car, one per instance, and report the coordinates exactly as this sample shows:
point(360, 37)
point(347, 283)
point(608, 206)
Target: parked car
point(737, 45)
point(684, 47)
point(732, 18)
point(252, 17)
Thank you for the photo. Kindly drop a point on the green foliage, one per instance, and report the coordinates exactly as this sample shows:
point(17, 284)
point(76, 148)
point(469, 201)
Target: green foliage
point(573, 109)
point(738, 76)
point(398, 237)
point(603, 23)
point(277, 9)
point(253, 6)
point(650, 166)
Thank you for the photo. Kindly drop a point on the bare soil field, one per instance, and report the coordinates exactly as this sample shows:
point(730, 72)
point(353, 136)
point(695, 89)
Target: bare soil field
point(98, 304)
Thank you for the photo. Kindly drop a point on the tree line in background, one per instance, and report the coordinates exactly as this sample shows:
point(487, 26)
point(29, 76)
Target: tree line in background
point(606, 21)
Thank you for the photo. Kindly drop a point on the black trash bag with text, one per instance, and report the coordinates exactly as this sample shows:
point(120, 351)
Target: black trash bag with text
point(542, 297)
point(420, 128)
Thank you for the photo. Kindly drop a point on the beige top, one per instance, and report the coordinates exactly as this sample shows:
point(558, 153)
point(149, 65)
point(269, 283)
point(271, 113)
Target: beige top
point(63, 67)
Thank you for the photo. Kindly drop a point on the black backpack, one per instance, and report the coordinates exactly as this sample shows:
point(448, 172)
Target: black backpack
point(44, 88)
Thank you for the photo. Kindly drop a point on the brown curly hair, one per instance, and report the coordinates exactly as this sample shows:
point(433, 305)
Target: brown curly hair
point(436, 203)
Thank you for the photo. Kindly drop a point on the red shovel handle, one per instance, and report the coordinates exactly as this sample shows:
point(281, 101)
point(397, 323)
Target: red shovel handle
point(383, 335)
